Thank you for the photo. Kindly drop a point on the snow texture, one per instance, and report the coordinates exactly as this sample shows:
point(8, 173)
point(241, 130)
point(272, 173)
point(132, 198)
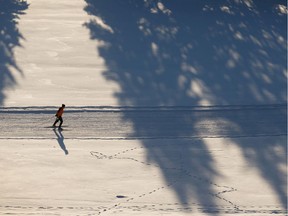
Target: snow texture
point(172, 107)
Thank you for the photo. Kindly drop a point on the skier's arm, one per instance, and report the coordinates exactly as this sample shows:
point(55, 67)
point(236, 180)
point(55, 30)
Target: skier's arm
point(57, 112)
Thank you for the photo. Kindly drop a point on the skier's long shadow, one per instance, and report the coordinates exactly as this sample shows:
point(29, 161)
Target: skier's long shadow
point(60, 139)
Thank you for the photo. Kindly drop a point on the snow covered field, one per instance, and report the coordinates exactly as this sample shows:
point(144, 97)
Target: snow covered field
point(172, 107)
point(158, 177)
point(167, 161)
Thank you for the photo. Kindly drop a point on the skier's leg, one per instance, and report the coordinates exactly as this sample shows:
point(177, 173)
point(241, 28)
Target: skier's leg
point(57, 119)
point(61, 122)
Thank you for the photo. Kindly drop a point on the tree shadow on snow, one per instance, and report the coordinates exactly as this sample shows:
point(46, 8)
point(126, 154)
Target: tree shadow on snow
point(9, 39)
point(193, 53)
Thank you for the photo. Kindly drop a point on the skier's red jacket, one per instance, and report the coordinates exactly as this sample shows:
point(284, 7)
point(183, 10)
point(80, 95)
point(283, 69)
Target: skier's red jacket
point(60, 112)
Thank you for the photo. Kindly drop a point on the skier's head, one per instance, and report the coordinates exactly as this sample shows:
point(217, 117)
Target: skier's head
point(63, 105)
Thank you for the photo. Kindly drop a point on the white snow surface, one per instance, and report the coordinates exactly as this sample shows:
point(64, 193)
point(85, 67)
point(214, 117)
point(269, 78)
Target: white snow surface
point(107, 53)
point(171, 108)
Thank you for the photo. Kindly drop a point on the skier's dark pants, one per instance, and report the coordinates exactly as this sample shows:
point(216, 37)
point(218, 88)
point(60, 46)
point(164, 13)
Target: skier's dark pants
point(58, 119)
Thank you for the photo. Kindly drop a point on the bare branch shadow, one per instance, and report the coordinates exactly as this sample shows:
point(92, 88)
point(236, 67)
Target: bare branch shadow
point(196, 53)
point(10, 37)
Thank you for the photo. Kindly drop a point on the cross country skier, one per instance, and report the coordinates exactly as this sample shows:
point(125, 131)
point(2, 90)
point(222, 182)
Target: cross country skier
point(58, 115)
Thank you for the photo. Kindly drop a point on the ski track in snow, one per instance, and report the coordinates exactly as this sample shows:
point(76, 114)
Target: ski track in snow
point(145, 123)
point(186, 173)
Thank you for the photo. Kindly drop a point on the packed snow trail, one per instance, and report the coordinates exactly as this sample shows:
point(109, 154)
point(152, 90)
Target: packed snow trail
point(145, 123)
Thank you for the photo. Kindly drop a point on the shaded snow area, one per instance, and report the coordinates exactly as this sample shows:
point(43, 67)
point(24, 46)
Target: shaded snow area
point(143, 53)
point(173, 107)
